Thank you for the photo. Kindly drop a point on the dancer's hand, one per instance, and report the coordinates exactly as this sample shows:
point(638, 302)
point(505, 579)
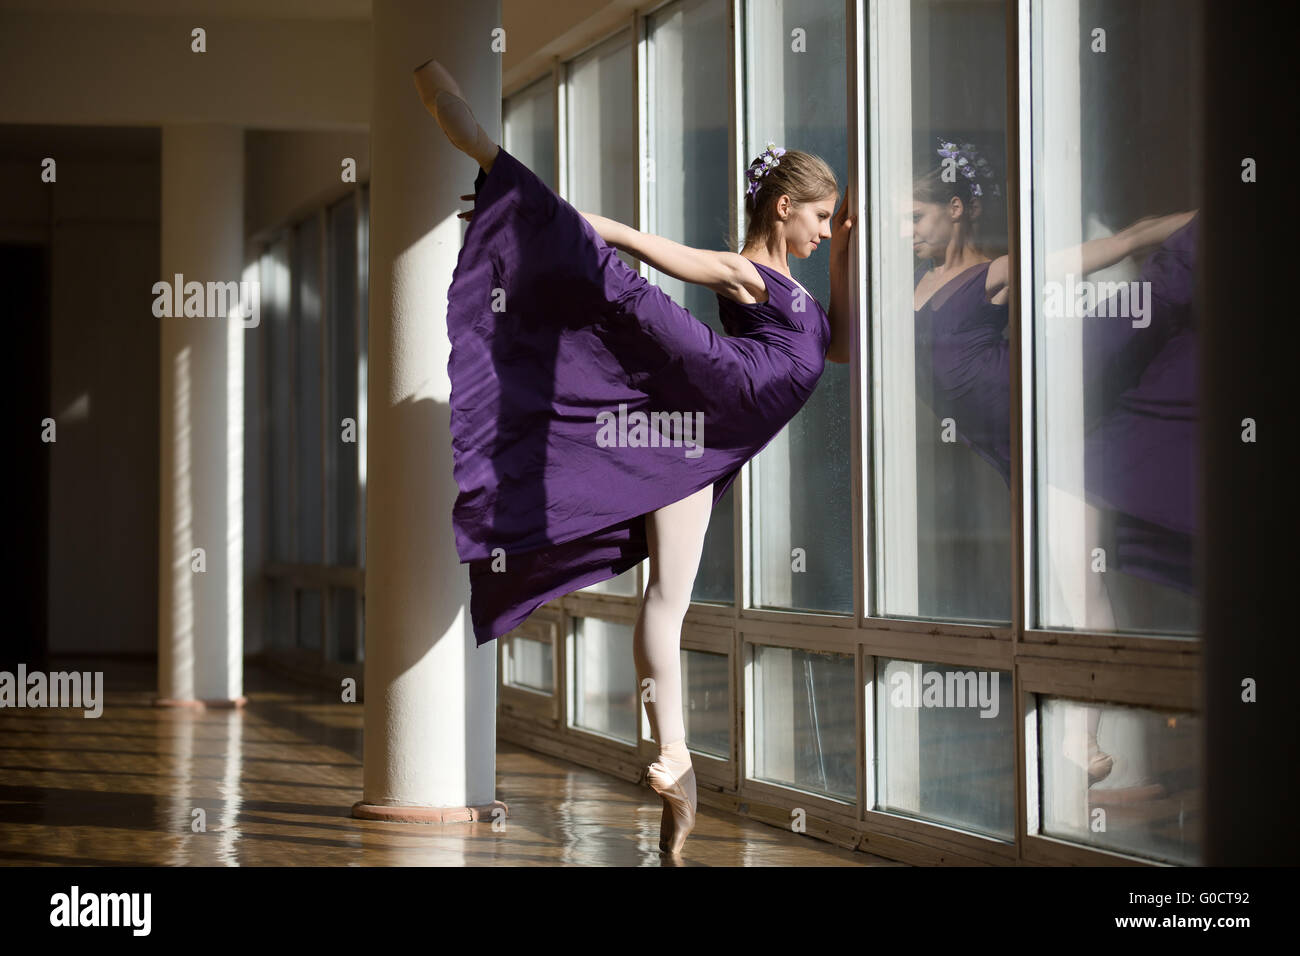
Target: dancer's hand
point(842, 224)
point(1145, 234)
point(470, 213)
point(840, 311)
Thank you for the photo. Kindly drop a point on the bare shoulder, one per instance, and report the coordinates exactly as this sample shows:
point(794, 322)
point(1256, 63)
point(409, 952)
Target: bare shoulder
point(741, 280)
point(997, 277)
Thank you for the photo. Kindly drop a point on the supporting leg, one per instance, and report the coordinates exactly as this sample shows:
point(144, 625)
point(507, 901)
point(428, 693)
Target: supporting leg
point(675, 534)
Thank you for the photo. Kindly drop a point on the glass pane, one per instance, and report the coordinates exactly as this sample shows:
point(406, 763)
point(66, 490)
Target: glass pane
point(686, 180)
point(624, 585)
point(1115, 244)
point(307, 390)
point(528, 664)
point(603, 679)
point(705, 705)
point(941, 360)
point(602, 164)
point(945, 737)
point(803, 721)
point(803, 542)
point(341, 429)
point(529, 120)
point(715, 580)
point(277, 369)
point(601, 133)
point(1121, 778)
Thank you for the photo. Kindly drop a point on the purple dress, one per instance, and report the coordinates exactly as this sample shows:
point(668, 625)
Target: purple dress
point(963, 364)
point(1139, 403)
point(583, 397)
point(1140, 393)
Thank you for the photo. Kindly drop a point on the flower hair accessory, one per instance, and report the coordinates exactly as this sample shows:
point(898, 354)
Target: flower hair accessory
point(970, 164)
point(766, 160)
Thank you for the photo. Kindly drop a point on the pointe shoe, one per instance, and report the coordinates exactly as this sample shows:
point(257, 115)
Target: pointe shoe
point(431, 78)
point(442, 97)
point(678, 818)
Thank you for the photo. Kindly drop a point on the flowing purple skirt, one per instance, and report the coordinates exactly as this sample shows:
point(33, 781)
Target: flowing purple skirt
point(558, 349)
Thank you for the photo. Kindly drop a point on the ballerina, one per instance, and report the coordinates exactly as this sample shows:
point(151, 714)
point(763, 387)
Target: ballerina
point(1138, 380)
point(552, 333)
point(961, 295)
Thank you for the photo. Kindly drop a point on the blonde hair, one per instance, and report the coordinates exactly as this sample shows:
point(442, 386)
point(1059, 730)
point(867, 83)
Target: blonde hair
point(804, 177)
point(984, 215)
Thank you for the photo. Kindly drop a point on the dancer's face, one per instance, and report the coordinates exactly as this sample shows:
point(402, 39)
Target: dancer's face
point(807, 225)
point(932, 229)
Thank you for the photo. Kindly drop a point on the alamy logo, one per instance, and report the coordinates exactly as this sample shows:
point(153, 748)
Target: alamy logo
point(637, 430)
point(102, 909)
point(59, 689)
point(213, 300)
point(1119, 300)
point(909, 688)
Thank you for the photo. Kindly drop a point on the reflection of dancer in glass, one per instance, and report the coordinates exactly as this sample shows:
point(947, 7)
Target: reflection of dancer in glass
point(554, 339)
point(1137, 380)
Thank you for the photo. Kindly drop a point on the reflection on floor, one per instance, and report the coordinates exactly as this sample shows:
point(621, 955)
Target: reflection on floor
point(273, 784)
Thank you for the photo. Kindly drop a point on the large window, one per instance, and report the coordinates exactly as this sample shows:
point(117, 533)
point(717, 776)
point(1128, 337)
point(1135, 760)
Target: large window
point(311, 433)
point(948, 605)
point(276, 346)
point(801, 502)
point(1118, 777)
point(603, 678)
point(687, 171)
point(528, 124)
point(946, 745)
point(600, 134)
point(1114, 252)
point(599, 174)
point(941, 386)
point(802, 721)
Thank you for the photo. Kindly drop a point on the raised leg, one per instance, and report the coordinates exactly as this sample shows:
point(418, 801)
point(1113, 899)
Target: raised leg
point(675, 535)
point(442, 97)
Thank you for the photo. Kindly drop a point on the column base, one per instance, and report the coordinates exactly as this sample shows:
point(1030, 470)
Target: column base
point(483, 813)
point(224, 703)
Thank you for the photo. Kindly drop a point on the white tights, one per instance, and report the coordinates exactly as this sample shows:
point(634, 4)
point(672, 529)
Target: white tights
point(675, 535)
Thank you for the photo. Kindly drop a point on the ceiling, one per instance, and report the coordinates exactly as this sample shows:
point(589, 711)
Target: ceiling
point(238, 9)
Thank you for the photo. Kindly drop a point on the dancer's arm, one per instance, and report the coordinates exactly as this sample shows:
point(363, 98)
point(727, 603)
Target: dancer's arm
point(1145, 234)
point(719, 271)
point(1095, 254)
point(840, 311)
point(1141, 236)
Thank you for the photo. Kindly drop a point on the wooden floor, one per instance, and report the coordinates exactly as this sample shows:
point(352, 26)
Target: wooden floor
point(276, 781)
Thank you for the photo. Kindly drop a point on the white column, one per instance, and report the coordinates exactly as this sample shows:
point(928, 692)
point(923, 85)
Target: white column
point(430, 720)
point(200, 555)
